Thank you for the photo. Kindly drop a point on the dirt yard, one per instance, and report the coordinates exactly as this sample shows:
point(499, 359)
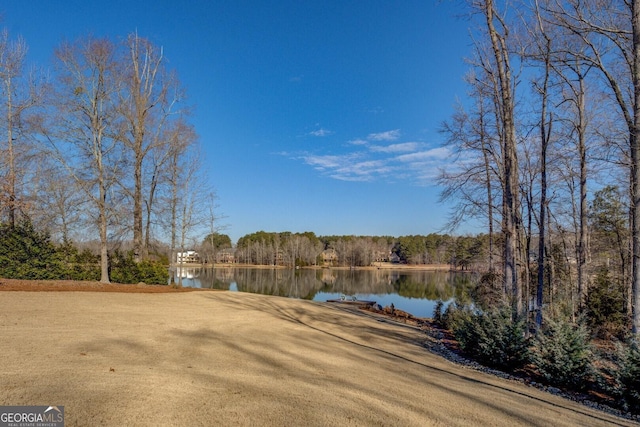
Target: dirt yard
point(166, 357)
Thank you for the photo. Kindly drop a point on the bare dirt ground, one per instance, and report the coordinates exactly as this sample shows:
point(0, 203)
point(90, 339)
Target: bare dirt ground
point(222, 358)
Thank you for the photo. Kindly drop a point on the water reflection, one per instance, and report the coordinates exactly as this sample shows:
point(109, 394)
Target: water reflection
point(412, 291)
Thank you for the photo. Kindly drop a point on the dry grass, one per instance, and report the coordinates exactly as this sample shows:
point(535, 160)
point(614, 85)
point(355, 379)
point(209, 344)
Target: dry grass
point(228, 358)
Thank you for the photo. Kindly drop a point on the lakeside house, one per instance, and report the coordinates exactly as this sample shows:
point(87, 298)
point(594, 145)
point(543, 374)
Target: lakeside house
point(225, 256)
point(329, 257)
point(188, 257)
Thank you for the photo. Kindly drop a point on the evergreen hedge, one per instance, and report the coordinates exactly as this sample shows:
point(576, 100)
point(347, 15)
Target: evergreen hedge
point(27, 253)
point(123, 269)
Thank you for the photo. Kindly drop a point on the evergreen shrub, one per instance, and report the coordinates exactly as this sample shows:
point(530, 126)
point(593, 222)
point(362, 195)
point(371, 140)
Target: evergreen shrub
point(629, 378)
point(26, 253)
point(621, 378)
point(455, 315)
point(561, 353)
point(493, 339)
point(79, 265)
point(487, 291)
point(437, 313)
point(605, 307)
point(123, 269)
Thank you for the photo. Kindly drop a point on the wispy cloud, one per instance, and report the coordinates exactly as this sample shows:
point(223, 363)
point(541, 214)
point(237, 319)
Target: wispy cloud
point(439, 153)
point(321, 132)
point(374, 110)
point(347, 167)
point(425, 165)
point(402, 147)
point(364, 161)
point(358, 142)
point(323, 163)
point(390, 135)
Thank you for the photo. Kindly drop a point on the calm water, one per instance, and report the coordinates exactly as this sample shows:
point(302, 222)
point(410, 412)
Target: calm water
point(413, 291)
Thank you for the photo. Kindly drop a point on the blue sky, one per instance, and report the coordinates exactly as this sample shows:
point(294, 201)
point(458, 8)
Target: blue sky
point(312, 116)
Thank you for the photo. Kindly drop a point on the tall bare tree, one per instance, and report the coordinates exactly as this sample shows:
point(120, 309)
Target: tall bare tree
point(475, 148)
point(539, 52)
point(83, 136)
point(148, 95)
point(501, 77)
point(21, 91)
point(181, 175)
point(610, 35)
point(571, 72)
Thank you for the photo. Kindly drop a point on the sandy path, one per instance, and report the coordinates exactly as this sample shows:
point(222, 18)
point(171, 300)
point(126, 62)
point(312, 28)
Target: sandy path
point(221, 358)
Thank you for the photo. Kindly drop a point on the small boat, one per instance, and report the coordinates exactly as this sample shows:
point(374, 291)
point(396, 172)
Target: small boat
point(352, 300)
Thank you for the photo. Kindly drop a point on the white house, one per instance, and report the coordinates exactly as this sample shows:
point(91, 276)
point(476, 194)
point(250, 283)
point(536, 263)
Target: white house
point(187, 257)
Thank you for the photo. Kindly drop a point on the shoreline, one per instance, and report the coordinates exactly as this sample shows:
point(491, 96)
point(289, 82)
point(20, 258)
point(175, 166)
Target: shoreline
point(378, 266)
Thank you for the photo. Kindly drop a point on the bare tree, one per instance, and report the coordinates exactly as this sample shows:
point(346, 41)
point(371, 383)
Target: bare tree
point(610, 37)
point(61, 202)
point(181, 179)
point(147, 100)
point(571, 71)
point(21, 91)
point(498, 75)
point(214, 225)
point(82, 136)
point(472, 184)
point(540, 53)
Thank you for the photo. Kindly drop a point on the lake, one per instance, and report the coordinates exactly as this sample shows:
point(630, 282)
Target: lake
point(413, 291)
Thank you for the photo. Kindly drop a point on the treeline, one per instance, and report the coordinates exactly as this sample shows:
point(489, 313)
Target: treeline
point(97, 145)
point(305, 249)
point(547, 144)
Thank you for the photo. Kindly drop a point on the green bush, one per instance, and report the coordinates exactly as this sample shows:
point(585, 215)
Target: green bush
point(437, 313)
point(605, 307)
point(79, 265)
point(454, 315)
point(629, 377)
point(487, 291)
point(123, 269)
point(562, 354)
point(493, 339)
point(153, 272)
point(26, 253)
point(621, 377)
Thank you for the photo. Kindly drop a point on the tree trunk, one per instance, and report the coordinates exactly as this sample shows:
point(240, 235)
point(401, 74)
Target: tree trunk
point(635, 173)
point(12, 162)
point(137, 211)
point(104, 255)
point(509, 205)
point(487, 170)
point(542, 228)
point(545, 133)
point(582, 152)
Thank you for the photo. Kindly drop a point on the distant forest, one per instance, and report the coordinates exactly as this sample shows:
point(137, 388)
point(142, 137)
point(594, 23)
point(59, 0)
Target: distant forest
point(307, 249)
